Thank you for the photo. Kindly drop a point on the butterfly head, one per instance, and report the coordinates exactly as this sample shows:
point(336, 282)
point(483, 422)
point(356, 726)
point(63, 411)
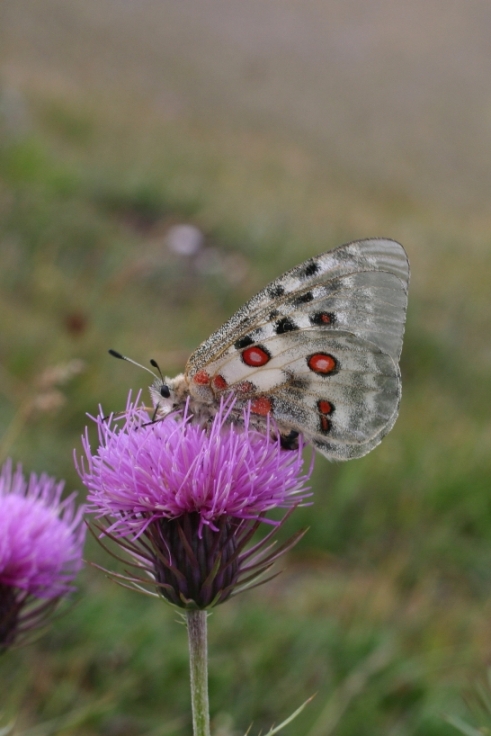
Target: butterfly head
point(169, 394)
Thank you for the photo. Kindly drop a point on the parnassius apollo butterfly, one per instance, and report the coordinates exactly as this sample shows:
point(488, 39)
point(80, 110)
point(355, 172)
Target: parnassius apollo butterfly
point(317, 349)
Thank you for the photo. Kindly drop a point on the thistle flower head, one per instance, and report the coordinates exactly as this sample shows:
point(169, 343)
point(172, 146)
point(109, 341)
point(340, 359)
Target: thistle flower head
point(41, 543)
point(184, 499)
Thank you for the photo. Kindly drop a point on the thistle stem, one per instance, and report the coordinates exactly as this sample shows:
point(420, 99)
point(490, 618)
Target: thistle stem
point(198, 664)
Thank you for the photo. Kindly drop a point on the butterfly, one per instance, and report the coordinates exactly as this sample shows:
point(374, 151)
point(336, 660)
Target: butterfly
point(317, 351)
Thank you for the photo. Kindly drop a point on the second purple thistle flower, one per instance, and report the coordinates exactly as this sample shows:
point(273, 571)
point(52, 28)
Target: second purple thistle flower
point(184, 501)
point(41, 544)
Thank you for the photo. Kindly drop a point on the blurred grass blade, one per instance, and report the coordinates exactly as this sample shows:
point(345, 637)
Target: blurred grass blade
point(168, 728)
point(464, 727)
point(65, 724)
point(277, 729)
point(350, 688)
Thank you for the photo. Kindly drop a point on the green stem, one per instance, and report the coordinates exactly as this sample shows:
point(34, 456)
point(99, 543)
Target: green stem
point(198, 664)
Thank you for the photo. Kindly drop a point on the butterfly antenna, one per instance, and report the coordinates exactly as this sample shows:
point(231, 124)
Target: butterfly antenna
point(115, 354)
point(154, 364)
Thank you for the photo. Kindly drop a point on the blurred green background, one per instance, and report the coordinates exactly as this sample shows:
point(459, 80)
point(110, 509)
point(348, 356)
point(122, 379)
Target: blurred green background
point(273, 130)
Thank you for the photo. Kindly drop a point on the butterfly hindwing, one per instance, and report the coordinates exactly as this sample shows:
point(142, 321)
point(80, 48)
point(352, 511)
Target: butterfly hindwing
point(318, 348)
point(348, 410)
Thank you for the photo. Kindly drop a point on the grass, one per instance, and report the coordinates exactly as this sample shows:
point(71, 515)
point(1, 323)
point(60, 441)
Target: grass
point(383, 609)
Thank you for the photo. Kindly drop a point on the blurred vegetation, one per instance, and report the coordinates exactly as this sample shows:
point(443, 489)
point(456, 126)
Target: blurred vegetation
point(384, 608)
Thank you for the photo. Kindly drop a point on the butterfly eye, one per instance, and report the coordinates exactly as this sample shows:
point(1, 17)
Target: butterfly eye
point(164, 391)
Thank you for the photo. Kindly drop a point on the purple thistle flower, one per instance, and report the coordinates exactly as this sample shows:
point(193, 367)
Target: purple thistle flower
point(184, 499)
point(41, 544)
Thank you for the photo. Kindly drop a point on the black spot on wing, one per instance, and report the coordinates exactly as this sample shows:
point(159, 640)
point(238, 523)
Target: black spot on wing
point(298, 382)
point(285, 325)
point(273, 314)
point(303, 299)
point(309, 269)
point(294, 381)
point(243, 342)
point(276, 291)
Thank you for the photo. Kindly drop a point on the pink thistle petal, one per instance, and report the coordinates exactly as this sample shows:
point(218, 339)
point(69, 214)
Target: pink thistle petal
point(184, 500)
point(143, 471)
point(41, 536)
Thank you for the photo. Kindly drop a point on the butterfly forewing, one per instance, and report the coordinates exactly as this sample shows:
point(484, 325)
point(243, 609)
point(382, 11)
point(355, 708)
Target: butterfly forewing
point(318, 348)
point(379, 255)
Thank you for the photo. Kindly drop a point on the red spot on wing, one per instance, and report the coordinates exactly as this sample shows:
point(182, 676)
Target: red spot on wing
point(201, 378)
point(262, 405)
point(219, 382)
point(321, 363)
point(322, 318)
point(255, 356)
point(325, 407)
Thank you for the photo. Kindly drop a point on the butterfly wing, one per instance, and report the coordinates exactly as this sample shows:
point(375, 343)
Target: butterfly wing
point(319, 348)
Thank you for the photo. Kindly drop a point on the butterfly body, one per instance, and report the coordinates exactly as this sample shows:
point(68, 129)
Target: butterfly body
point(317, 350)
